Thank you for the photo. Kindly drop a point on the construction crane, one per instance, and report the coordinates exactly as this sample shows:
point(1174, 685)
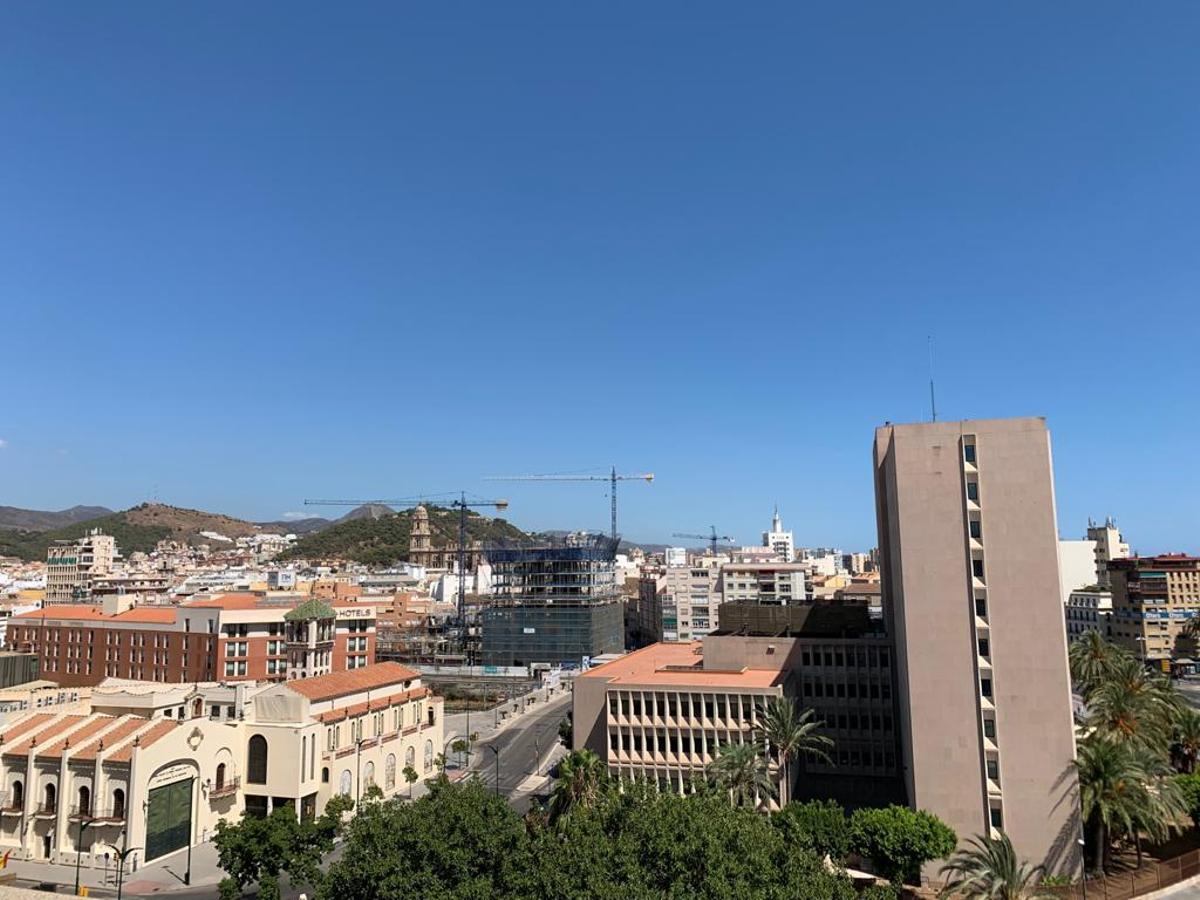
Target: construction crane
point(612, 478)
point(711, 538)
point(462, 504)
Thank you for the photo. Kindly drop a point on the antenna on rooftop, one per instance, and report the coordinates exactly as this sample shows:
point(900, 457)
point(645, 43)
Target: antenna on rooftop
point(932, 397)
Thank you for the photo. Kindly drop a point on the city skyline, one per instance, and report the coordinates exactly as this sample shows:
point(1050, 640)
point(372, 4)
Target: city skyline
point(249, 258)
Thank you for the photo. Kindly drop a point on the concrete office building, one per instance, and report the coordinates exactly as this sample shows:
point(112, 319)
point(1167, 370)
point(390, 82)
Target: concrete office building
point(678, 603)
point(1110, 545)
point(72, 566)
point(969, 556)
point(1153, 600)
point(1076, 566)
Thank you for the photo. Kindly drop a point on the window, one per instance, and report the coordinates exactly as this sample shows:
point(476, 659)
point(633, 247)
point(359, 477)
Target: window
point(997, 818)
point(428, 755)
point(118, 804)
point(973, 491)
point(969, 453)
point(993, 769)
point(975, 529)
point(85, 800)
point(344, 783)
point(977, 568)
point(389, 772)
point(981, 607)
point(325, 775)
point(984, 647)
point(410, 757)
point(256, 760)
point(368, 775)
point(219, 781)
point(985, 687)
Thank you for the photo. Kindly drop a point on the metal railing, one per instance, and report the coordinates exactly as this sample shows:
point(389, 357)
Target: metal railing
point(227, 788)
point(1125, 885)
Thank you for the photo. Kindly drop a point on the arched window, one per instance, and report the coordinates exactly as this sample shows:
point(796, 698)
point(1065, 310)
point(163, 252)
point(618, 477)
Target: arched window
point(256, 760)
point(85, 800)
point(389, 773)
point(344, 786)
point(325, 775)
point(118, 804)
point(410, 757)
point(50, 796)
point(428, 755)
point(18, 794)
point(220, 780)
point(369, 774)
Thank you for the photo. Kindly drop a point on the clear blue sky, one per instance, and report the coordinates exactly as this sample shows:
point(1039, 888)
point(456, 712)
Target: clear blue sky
point(251, 253)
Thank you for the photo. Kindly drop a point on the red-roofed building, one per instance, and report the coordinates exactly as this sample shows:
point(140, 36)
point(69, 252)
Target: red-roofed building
point(231, 637)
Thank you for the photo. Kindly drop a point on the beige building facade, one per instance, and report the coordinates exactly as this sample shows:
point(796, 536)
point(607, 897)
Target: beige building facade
point(73, 566)
point(968, 544)
point(1154, 598)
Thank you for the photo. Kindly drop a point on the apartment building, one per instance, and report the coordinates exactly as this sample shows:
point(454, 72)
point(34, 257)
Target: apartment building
point(1153, 600)
point(1089, 610)
point(969, 556)
point(157, 766)
point(72, 566)
point(770, 583)
point(780, 542)
point(1110, 545)
point(235, 637)
point(678, 603)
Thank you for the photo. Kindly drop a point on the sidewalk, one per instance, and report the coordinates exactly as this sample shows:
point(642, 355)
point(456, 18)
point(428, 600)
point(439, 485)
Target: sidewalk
point(487, 724)
point(165, 874)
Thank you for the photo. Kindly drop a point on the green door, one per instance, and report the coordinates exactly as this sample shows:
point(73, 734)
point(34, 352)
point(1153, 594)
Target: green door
point(169, 818)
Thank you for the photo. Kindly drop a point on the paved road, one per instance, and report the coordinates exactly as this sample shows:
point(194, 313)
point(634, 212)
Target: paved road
point(1180, 892)
point(524, 748)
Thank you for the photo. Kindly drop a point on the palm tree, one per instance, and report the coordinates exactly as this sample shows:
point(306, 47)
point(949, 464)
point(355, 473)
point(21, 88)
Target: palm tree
point(1125, 790)
point(1092, 660)
point(742, 770)
point(991, 870)
point(582, 777)
point(790, 733)
point(1133, 704)
point(1187, 739)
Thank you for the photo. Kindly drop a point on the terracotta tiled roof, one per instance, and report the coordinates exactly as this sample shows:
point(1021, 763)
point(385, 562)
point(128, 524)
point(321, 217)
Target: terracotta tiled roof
point(111, 738)
point(156, 615)
point(373, 705)
point(55, 728)
point(341, 684)
point(55, 751)
point(159, 730)
point(14, 731)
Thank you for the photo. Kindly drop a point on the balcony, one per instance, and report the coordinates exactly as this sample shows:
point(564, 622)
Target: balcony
point(11, 806)
point(227, 788)
point(45, 809)
point(98, 814)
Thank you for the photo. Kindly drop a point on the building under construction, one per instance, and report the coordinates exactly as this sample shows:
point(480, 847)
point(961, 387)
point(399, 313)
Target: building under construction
point(555, 603)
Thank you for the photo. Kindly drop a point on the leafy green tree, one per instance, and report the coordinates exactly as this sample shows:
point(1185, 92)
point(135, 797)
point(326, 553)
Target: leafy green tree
point(457, 841)
point(646, 843)
point(566, 730)
point(1189, 792)
point(989, 869)
point(882, 891)
point(582, 777)
point(899, 840)
point(818, 825)
point(461, 747)
point(741, 770)
point(257, 850)
point(1125, 790)
point(411, 777)
point(790, 733)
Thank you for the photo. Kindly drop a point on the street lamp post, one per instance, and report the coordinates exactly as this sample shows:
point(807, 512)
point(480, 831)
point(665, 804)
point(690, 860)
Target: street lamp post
point(496, 750)
point(122, 855)
point(84, 822)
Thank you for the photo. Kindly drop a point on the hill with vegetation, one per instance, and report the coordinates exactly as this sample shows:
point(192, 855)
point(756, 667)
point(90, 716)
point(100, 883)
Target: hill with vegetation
point(136, 529)
point(385, 540)
point(44, 519)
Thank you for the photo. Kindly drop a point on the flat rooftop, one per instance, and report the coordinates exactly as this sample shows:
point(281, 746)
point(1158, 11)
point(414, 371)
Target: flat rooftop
point(678, 664)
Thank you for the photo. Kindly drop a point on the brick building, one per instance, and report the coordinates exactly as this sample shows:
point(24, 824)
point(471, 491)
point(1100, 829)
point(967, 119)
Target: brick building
point(235, 637)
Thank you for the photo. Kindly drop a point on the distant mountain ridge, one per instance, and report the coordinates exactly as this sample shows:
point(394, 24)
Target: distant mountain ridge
point(44, 520)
